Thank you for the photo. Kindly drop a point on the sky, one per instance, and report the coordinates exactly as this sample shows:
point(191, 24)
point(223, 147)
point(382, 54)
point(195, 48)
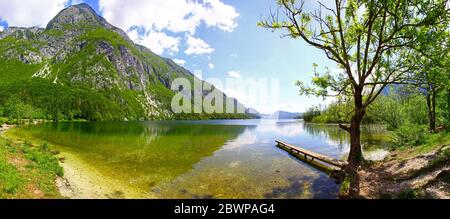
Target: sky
point(217, 38)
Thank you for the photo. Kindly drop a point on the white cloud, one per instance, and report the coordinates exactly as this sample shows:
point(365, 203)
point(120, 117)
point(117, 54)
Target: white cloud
point(261, 94)
point(218, 14)
point(211, 65)
point(29, 13)
point(158, 42)
point(181, 62)
point(175, 16)
point(197, 46)
point(234, 55)
point(2, 28)
point(234, 74)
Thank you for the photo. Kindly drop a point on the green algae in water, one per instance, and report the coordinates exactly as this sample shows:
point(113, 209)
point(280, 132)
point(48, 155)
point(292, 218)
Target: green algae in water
point(205, 159)
point(142, 155)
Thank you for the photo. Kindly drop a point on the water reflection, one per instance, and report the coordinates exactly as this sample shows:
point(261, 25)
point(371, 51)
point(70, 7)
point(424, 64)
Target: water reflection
point(139, 154)
point(198, 159)
point(373, 137)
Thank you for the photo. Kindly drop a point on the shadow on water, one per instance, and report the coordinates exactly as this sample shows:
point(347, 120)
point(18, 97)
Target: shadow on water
point(319, 188)
point(296, 188)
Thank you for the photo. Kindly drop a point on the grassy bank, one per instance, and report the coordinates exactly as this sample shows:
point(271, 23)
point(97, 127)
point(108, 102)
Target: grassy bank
point(28, 171)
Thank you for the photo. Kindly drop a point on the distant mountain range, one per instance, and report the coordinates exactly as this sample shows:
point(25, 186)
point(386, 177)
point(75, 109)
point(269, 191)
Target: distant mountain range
point(280, 115)
point(80, 66)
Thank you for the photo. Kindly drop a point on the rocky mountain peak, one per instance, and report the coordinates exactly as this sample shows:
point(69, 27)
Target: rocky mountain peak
point(82, 14)
point(77, 14)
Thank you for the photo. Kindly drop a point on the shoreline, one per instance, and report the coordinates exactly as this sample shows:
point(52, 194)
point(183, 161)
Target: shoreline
point(81, 181)
point(5, 127)
point(400, 172)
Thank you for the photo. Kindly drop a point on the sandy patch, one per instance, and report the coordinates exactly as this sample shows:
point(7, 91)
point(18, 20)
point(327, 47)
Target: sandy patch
point(376, 155)
point(5, 127)
point(81, 181)
point(19, 162)
point(35, 191)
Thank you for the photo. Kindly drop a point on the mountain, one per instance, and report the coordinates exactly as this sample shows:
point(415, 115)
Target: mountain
point(80, 66)
point(253, 113)
point(283, 115)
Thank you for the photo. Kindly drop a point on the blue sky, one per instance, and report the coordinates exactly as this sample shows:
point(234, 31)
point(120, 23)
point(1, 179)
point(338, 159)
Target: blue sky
point(233, 44)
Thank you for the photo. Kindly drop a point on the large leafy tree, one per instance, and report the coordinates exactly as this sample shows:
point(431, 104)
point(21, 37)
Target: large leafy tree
point(367, 40)
point(431, 67)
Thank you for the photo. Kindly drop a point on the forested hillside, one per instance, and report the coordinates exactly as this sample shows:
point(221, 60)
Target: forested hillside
point(82, 67)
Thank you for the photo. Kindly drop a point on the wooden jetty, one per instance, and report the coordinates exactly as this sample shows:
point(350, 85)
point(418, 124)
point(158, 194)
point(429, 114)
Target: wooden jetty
point(304, 154)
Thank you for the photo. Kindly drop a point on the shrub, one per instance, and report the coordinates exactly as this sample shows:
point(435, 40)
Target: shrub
point(43, 147)
point(411, 194)
point(410, 135)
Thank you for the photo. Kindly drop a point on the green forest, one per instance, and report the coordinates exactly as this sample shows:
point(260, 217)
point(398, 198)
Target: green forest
point(404, 110)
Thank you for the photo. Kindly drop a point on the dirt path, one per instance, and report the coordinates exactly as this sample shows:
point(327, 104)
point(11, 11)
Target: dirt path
point(418, 173)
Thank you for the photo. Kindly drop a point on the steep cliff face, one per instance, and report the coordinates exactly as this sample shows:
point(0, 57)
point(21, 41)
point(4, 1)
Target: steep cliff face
point(81, 50)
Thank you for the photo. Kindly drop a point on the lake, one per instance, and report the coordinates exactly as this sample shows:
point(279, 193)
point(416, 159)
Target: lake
point(202, 159)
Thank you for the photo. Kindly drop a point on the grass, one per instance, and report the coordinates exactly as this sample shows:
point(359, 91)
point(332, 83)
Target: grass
point(411, 194)
point(27, 171)
point(10, 179)
point(432, 142)
point(345, 186)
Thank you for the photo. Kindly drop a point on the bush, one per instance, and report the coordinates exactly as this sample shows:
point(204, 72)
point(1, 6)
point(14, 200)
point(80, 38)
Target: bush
point(312, 112)
point(321, 119)
point(442, 159)
point(43, 147)
point(411, 194)
point(410, 135)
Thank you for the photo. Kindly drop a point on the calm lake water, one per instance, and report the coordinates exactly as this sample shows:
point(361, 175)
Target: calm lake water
point(205, 159)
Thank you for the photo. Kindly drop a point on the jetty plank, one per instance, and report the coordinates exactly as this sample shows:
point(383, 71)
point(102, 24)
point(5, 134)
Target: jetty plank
point(313, 155)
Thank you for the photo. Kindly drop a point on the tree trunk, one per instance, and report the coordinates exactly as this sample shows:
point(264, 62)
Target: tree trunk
point(355, 156)
point(431, 113)
point(448, 109)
